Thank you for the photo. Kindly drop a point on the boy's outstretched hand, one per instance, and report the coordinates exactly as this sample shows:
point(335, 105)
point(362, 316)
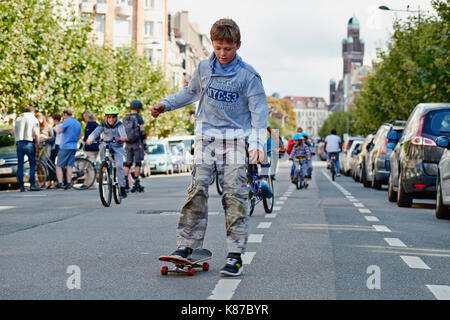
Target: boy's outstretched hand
point(156, 110)
point(255, 156)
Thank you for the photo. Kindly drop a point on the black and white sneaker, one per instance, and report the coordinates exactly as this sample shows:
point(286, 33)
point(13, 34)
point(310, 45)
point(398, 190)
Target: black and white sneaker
point(184, 253)
point(233, 267)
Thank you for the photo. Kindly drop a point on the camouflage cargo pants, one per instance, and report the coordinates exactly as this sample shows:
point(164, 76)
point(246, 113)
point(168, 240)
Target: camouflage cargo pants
point(228, 158)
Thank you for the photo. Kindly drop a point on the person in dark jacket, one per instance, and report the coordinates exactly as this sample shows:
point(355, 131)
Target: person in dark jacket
point(93, 149)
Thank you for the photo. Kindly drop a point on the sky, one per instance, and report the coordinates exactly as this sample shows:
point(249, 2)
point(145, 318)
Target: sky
point(295, 45)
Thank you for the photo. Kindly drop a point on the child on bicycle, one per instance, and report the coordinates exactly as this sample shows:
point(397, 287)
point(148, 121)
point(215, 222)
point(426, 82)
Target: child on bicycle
point(112, 128)
point(233, 103)
point(300, 154)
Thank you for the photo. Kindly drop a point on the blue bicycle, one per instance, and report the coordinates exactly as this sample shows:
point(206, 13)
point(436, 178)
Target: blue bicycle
point(255, 194)
point(298, 174)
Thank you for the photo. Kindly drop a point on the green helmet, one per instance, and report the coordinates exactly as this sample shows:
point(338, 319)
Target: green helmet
point(111, 109)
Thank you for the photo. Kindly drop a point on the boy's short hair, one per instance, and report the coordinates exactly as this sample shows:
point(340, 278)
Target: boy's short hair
point(225, 30)
point(56, 116)
point(68, 112)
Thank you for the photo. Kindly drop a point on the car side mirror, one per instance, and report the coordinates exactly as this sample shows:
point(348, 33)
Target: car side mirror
point(443, 142)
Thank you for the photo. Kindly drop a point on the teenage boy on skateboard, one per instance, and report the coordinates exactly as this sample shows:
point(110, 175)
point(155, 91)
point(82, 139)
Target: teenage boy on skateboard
point(232, 104)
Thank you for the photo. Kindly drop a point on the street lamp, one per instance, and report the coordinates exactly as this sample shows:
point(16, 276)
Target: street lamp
point(407, 10)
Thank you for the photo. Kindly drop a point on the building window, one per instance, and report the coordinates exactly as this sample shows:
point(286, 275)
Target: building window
point(149, 28)
point(101, 1)
point(100, 24)
point(149, 4)
point(119, 2)
point(122, 27)
point(149, 54)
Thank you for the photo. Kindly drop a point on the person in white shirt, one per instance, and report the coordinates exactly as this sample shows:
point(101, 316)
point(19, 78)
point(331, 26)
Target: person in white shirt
point(333, 144)
point(26, 134)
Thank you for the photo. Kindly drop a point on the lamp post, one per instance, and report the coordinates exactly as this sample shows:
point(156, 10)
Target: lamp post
point(407, 10)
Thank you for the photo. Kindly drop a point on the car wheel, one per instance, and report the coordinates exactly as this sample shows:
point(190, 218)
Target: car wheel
point(364, 180)
point(392, 195)
point(442, 211)
point(404, 200)
point(375, 183)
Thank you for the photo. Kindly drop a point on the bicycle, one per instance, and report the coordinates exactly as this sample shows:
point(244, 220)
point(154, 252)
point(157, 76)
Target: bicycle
point(255, 194)
point(333, 165)
point(298, 174)
point(108, 181)
point(81, 166)
point(217, 180)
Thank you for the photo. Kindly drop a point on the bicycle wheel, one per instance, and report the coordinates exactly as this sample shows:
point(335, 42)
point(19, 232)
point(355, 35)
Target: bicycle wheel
point(268, 202)
point(219, 182)
point(41, 174)
point(116, 189)
point(299, 180)
point(80, 174)
point(105, 184)
point(252, 205)
point(333, 170)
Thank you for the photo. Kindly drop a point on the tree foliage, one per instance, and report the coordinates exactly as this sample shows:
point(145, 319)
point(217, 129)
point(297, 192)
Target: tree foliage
point(414, 69)
point(337, 120)
point(49, 60)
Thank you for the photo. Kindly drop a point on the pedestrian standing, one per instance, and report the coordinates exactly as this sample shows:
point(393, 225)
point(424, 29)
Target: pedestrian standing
point(232, 104)
point(52, 180)
point(26, 134)
point(71, 130)
point(92, 149)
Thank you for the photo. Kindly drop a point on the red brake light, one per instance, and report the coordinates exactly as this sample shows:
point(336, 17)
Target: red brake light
point(419, 140)
point(419, 186)
point(383, 147)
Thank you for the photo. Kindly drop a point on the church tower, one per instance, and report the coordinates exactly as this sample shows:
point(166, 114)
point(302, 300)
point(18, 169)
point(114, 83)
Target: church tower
point(352, 47)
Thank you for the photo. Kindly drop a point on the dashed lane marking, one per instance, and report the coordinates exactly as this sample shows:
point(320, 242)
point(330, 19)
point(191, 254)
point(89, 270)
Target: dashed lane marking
point(395, 242)
point(264, 225)
point(224, 289)
point(271, 215)
point(365, 210)
point(247, 257)
point(358, 204)
point(381, 228)
point(441, 292)
point(255, 238)
point(371, 218)
point(415, 262)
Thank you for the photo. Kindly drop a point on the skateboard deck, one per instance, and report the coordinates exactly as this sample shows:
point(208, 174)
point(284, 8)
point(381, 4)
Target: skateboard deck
point(197, 260)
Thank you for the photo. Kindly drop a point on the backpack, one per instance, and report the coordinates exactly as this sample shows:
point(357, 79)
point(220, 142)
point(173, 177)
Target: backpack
point(132, 128)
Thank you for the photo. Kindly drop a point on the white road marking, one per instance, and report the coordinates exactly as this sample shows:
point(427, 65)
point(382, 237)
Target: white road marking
point(441, 292)
point(279, 202)
point(271, 215)
point(283, 198)
point(358, 204)
point(255, 238)
point(224, 289)
point(380, 228)
point(264, 225)
point(248, 257)
point(394, 242)
point(276, 208)
point(365, 211)
point(353, 200)
point(371, 218)
point(415, 262)
point(6, 208)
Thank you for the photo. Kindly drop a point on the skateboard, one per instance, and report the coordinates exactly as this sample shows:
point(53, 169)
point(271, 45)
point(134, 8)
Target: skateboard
point(197, 260)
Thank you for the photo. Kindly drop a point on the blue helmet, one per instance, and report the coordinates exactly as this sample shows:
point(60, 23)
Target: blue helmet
point(297, 136)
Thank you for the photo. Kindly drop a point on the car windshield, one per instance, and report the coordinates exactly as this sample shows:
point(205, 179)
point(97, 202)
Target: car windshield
point(437, 122)
point(156, 149)
point(6, 140)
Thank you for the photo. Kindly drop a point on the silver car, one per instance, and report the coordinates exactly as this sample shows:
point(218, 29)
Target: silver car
point(443, 180)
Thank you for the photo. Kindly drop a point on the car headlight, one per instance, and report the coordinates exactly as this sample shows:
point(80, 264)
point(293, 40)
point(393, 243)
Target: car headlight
point(161, 161)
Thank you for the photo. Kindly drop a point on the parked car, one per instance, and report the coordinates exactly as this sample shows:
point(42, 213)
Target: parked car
point(384, 142)
point(188, 158)
point(414, 162)
point(343, 155)
point(366, 147)
point(9, 162)
point(146, 170)
point(159, 156)
point(354, 163)
point(347, 166)
point(178, 160)
point(443, 180)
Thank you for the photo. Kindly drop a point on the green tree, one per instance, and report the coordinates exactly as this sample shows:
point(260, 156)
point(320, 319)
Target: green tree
point(337, 120)
point(414, 69)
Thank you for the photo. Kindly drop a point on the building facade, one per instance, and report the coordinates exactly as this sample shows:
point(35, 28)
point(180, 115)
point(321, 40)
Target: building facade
point(311, 113)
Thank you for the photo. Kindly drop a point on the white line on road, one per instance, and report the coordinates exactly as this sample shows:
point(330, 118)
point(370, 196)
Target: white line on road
point(358, 204)
point(271, 215)
point(248, 257)
point(255, 238)
point(415, 262)
point(365, 211)
point(371, 218)
point(380, 228)
point(279, 202)
point(276, 208)
point(283, 198)
point(394, 242)
point(264, 225)
point(439, 291)
point(224, 289)
point(6, 207)
point(353, 200)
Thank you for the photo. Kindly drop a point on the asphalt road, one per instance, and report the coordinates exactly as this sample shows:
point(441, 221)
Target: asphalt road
point(332, 241)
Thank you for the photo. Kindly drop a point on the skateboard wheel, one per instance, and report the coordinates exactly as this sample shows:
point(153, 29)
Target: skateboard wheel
point(205, 266)
point(190, 271)
point(164, 270)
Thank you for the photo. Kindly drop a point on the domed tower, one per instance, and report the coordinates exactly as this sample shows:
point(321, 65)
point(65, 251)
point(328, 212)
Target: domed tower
point(352, 47)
